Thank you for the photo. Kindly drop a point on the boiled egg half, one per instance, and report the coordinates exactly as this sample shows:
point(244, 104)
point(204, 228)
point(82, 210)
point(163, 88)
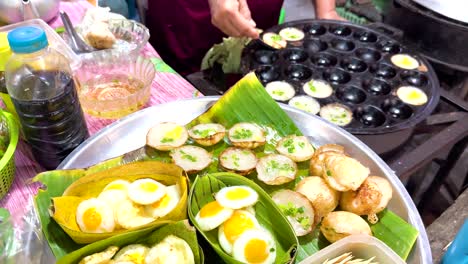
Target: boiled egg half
point(95, 216)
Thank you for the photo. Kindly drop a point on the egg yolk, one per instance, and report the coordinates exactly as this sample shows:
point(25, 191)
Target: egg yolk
point(414, 95)
point(211, 209)
point(117, 186)
point(237, 194)
point(149, 187)
point(255, 251)
point(407, 61)
point(162, 203)
point(174, 133)
point(92, 219)
point(136, 257)
point(236, 225)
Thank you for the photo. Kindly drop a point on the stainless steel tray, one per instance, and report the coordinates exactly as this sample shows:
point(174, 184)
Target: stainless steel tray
point(129, 134)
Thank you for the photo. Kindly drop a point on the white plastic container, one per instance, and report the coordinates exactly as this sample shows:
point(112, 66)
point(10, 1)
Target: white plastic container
point(55, 41)
point(361, 246)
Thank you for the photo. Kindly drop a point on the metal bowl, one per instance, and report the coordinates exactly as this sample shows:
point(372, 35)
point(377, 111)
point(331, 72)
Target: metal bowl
point(129, 134)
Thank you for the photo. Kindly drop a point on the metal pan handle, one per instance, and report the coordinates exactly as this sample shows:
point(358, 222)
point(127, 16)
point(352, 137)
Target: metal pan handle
point(386, 29)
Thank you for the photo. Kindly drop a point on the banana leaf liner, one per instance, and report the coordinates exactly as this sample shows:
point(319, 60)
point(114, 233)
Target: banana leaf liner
point(246, 101)
point(78, 185)
point(267, 213)
point(148, 236)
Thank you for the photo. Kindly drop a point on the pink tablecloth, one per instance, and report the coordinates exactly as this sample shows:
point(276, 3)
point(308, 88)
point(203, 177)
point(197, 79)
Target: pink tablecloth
point(166, 87)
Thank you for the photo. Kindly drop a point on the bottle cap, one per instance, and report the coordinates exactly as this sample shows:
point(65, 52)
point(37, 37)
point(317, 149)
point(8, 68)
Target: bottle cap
point(5, 51)
point(27, 39)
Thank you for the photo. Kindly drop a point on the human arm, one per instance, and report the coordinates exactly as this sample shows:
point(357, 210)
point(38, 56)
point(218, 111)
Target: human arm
point(233, 18)
point(325, 9)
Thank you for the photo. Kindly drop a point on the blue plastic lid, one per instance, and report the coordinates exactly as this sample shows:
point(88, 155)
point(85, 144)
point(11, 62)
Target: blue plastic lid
point(27, 39)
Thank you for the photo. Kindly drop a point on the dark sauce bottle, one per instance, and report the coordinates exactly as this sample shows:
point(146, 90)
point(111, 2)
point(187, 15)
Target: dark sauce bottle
point(43, 91)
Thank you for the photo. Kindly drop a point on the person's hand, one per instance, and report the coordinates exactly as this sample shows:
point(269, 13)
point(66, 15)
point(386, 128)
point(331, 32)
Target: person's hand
point(233, 18)
point(331, 15)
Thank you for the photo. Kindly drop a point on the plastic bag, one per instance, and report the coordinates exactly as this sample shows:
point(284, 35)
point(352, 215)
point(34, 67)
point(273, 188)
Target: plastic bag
point(23, 242)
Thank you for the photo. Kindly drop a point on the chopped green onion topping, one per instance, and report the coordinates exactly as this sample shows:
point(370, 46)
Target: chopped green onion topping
point(312, 87)
point(276, 37)
point(167, 140)
point(274, 165)
point(188, 156)
point(205, 132)
point(242, 134)
point(278, 92)
point(289, 144)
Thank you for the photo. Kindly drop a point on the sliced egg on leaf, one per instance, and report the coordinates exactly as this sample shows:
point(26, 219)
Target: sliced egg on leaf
point(405, 61)
point(212, 215)
point(235, 226)
point(412, 95)
point(113, 198)
point(95, 216)
point(146, 191)
point(171, 250)
point(166, 204)
point(130, 215)
point(255, 246)
point(117, 185)
point(236, 197)
point(135, 253)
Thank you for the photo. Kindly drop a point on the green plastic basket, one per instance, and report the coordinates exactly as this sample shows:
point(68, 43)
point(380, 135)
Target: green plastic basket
point(7, 163)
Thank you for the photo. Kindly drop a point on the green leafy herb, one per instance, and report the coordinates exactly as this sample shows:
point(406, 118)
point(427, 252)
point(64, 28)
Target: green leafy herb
point(205, 132)
point(304, 221)
point(284, 167)
point(289, 144)
point(276, 37)
point(278, 92)
point(329, 173)
point(312, 87)
point(188, 156)
point(242, 133)
point(272, 249)
point(301, 144)
point(167, 140)
point(291, 210)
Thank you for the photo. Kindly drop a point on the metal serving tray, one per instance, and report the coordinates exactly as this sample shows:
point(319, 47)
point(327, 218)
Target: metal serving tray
point(129, 134)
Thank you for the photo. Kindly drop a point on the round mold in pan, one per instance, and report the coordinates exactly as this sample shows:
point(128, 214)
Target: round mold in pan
point(365, 69)
point(294, 55)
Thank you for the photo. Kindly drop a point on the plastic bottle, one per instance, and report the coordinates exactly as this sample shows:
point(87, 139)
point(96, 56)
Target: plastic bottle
point(40, 83)
point(5, 53)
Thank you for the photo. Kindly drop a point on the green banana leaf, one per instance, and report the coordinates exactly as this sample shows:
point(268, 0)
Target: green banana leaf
point(395, 232)
point(149, 237)
point(267, 213)
point(246, 101)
